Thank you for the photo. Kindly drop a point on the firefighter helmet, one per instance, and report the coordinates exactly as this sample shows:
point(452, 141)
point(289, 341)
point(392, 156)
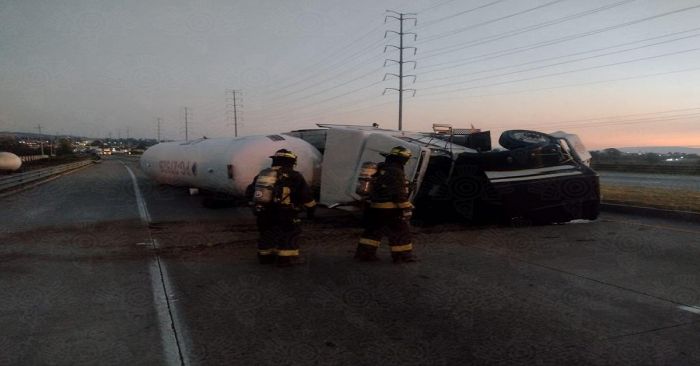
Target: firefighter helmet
point(284, 154)
point(399, 151)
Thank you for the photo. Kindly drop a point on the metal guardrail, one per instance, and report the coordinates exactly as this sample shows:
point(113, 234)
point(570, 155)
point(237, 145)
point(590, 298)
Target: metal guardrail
point(27, 158)
point(20, 179)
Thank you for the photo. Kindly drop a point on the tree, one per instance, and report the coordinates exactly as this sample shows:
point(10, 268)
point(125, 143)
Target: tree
point(651, 158)
point(612, 152)
point(65, 147)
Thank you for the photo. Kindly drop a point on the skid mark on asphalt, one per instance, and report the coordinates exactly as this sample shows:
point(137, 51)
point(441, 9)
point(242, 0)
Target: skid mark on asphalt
point(171, 328)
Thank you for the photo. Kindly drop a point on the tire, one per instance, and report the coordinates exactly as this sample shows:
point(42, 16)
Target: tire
point(515, 139)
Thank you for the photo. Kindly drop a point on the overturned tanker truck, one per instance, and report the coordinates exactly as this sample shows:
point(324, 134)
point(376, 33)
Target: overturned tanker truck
point(454, 174)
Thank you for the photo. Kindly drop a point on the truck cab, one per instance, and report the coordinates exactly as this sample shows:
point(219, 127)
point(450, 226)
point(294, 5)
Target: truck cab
point(455, 175)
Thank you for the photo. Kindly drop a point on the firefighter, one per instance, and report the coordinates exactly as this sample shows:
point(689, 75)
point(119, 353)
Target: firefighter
point(279, 193)
point(389, 211)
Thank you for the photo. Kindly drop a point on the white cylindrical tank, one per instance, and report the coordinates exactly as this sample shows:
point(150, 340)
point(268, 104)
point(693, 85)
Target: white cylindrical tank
point(225, 164)
point(9, 161)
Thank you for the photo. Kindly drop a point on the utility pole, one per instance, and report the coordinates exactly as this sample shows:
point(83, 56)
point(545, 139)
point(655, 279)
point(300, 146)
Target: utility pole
point(186, 135)
point(401, 17)
point(234, 99)
point(41, 140)
point(158, 128)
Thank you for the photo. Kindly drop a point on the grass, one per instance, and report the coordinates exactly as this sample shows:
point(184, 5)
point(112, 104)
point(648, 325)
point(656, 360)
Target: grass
point(670, 199)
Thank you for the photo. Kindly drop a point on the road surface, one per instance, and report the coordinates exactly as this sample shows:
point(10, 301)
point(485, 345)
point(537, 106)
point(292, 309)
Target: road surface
point(96, 271)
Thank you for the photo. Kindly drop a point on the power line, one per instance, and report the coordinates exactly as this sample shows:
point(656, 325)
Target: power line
point(354, 111)
point(325, 91)
point(436, 6)
point(331, 78)
point(570, 85)
point(630, 121)
point(334, 76)
point(286, 112)
point(329, 67)
point(313, 68)
point(553, 64)
point(570, 71)
point(569, 55)
point(439, 20)
point(623, 116)
point(464, 29)
point(519, 31)
point(511, 51)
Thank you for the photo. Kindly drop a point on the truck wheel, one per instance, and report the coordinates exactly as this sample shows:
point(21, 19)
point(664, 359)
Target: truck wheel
point(514, 139)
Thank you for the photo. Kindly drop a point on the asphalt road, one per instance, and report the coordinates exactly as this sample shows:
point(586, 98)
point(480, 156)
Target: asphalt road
point(87, 281)
point(666, 181)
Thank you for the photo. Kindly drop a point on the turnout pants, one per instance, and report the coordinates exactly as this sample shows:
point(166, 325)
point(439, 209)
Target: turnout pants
point(279, 230)
point(379, 222)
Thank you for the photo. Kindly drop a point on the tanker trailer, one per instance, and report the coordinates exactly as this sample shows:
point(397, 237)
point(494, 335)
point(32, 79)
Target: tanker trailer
point(9, 162)
point(225, 165)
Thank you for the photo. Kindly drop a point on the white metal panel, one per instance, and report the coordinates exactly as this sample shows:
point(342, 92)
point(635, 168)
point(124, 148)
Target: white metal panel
point(347, 149)
point(204, 163)
point(9, 161)
point(340, 162)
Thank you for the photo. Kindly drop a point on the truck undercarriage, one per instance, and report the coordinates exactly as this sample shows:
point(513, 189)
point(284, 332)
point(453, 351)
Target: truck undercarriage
point(538, 178)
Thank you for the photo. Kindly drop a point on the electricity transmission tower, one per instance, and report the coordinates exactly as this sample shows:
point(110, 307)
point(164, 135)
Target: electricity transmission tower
point(401, 17)
point(232, 105)
point(41, 139)
point(186, 126)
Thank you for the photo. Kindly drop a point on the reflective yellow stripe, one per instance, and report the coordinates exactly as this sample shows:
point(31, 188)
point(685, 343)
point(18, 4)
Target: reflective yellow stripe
point(312, 203)
point(288, 252)
point(266, 251)
point(406, 204)
point(402, 248)
point(384, 205)
point(286, 196)
point(285, 155)
point(374, 243)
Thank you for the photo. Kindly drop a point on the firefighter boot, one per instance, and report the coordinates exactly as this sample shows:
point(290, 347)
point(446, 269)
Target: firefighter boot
point(366, 253)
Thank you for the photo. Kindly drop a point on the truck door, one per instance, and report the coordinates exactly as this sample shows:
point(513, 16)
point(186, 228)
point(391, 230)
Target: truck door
point(378, 143)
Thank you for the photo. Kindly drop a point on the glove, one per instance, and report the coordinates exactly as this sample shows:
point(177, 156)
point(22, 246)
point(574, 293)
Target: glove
point(406, 214)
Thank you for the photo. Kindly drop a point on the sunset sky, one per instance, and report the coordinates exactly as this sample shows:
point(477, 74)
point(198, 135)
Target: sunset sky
point(616, 72)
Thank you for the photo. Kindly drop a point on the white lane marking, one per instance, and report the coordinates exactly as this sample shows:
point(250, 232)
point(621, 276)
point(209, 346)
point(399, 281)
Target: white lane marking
point(140, 202)
point(692, 309)
point(169, 323)
point(176, 319)
point(167, 336)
